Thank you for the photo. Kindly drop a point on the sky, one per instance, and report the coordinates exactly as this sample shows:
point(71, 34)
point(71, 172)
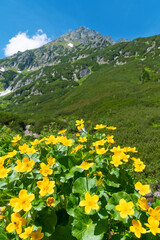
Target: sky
point(28, 24)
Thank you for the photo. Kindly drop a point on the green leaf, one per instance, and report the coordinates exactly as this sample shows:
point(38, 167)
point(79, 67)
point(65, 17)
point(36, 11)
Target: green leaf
point(47, 218)
point(62, 232)
point(84, 228)
point(73, 208)
point(3, 235)
point(80, 185)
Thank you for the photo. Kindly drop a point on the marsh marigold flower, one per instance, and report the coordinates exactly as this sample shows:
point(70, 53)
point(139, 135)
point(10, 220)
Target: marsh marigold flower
point(143, 189)
point(23, 202)
point(65, 141)
point(4, 171)
point(27, 233)
point(37, 235)
point(23, 148)
point(139, 166)
point(99, 126)
point(30, 150)
point(85, 165)
point(142, 203)
point(79, 122)
point(51, 139)
point(77, 148)
point(45, 186)
point(137, 228)
point(12, 154)
point(101, 151)
point(82, 139)
point(99, 143)
point(62, 131)
point(116, 161)
point(51, 160)
point(110, 139)
point(35, 142)
point(155, 213)
point(111, 128)
point(16, 139)
point(89, 203)
point(153, 225)
point(50, 201)
point(125, 208)
point(45, 169)
point(16, 223)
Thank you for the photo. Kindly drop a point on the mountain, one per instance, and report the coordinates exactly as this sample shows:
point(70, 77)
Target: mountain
point(83, 74)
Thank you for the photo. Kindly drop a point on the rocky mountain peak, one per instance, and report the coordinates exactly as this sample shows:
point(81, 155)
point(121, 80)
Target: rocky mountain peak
point(81, 34)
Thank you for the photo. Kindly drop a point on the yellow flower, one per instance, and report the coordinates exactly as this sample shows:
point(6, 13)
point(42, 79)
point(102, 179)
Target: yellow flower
point(79, 122)
point(99, 173)
point(89, 203)
point(101, 151)
point(30, 150)
point(16, 139)
point(4, 171)
point(45, 186)
point(2, 217)
point(43, 139)
point(91, 151)
point(153, 225)
point(24, 166)
point(52, 139)
point(2, 159)
point(35, 142)
point(78, 135)
point(85, 165)
point(80, 127)
point(62, 131)
point(99, 143)
point(125, 157)
point(51, 201)
point(77, 148)
point(116, 161)
point(16, 223)
point(12, 154)
point(111, 128)
point(137, 228)
point(27, 165)
point(45, 169)
point(143, 189)
point(19, 166)
point(27, 233)
point(117, 150)
point(23, 148)
point(37, 235)
point(129, 149)
point(23, 202)
point(142, 202)
point(110, 139)
point(82, 139)
point(139, 166)
point(99, 126)
point(65, 141)
point(125, 208)
point(155, 213)
point(51, 160)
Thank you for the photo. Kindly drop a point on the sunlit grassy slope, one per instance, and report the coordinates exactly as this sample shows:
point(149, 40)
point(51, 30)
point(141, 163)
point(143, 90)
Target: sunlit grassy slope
point(113, 95)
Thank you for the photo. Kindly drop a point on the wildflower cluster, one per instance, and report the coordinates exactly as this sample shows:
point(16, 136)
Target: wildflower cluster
point(75, 186)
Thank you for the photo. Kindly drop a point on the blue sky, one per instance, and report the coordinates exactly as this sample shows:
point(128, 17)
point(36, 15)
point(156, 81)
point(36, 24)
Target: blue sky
point(118, 18)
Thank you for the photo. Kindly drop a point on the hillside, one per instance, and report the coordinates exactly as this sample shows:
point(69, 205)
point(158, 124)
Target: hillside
point(83, 74)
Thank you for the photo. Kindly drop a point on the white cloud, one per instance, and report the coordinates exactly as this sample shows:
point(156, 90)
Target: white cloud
point(22, 42)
